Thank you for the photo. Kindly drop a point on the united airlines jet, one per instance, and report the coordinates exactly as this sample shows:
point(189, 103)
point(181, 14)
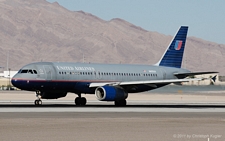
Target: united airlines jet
point(109, 82)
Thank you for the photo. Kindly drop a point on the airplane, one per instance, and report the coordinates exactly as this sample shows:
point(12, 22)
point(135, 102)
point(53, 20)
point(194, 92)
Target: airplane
point(109, 82)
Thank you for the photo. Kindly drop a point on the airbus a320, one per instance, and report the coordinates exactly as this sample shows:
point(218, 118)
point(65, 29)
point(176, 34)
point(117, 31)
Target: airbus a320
point(109, 82)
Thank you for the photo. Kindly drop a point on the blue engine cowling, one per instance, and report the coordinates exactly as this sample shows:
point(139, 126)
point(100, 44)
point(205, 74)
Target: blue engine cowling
point(110, 93)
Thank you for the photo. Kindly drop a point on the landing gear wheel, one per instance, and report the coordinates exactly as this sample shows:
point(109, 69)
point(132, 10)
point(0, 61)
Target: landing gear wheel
point(38, 102)
point(83, 101)
point(80, 101)
point(121, 102)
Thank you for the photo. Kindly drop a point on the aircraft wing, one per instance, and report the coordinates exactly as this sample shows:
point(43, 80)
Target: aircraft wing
point(183, 75)
point(148, 82)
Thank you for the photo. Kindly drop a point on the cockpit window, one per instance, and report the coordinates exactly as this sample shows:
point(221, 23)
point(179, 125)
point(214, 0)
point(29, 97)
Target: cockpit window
point(35, 72)
point(24, 71)
point(28, 71)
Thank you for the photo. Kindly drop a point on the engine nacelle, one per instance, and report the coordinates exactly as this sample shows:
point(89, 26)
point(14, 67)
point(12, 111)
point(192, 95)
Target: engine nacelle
point(110, 93)
point(52, 95)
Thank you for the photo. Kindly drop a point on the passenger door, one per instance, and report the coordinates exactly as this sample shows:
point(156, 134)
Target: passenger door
point(48, 72)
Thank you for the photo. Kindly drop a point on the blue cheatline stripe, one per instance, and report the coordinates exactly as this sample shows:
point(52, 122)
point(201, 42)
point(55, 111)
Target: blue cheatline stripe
point(173, 57)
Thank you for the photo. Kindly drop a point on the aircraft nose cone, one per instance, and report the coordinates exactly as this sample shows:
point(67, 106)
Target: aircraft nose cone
point(14, 82)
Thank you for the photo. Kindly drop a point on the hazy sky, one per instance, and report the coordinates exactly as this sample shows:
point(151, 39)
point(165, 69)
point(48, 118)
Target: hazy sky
point(205, 18)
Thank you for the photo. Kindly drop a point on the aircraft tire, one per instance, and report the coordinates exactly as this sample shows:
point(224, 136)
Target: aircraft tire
point(38, 102)
point(77, 100)
point(121, 102)
point(80, 101)
point(83, 101)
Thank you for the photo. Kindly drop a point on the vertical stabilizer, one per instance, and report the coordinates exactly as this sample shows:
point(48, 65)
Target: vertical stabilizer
point(174, 54)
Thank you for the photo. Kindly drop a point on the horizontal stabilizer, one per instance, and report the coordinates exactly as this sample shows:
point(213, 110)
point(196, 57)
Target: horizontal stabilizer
point(214, 78)
point(183, 75)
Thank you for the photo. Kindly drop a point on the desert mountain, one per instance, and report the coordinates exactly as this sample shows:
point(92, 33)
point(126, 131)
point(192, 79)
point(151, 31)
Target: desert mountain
point(36, 30)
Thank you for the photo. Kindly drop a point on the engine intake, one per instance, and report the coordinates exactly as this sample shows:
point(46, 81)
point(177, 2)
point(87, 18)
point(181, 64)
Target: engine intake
point(110, 93)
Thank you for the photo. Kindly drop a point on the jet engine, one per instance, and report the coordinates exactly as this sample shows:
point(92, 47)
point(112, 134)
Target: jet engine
point(110, 93)
point(52, 95)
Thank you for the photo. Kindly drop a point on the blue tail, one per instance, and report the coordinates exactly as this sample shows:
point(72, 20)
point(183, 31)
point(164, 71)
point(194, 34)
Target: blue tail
point(174, 53)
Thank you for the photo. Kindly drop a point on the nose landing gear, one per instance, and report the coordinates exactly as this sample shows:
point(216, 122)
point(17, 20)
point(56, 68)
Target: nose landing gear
point(38, 100)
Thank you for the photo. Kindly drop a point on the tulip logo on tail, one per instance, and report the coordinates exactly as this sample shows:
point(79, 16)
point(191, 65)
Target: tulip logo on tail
point(178, 45)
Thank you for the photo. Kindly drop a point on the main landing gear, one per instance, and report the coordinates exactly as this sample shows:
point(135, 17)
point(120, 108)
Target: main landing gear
point(80, 100)
point(38, 100)
point(122, 102)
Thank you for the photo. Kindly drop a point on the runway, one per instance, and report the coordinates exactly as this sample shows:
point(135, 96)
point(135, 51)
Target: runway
point(112, 126)
point(22, 101)
point(155, 117)
point(94, 106)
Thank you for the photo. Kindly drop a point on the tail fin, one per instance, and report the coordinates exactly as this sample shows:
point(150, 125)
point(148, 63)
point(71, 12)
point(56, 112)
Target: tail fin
point(174, 54)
